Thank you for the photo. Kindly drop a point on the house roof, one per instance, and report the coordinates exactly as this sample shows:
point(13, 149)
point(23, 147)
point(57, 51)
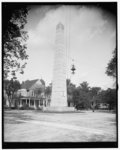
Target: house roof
point(28, 84)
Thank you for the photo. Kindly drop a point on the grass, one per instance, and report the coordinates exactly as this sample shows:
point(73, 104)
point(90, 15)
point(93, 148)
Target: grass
point(34, 126)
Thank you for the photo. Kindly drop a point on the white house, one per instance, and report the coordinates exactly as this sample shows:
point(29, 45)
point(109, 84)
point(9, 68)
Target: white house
point(32, 93)
point(28, 88)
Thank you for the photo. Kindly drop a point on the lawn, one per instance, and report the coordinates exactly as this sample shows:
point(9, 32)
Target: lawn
point(36, 126)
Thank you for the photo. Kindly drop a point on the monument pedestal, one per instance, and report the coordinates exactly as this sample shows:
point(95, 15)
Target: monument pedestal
point(59, 109)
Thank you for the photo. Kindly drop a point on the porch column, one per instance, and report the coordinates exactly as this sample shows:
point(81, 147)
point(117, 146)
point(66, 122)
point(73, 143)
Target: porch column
point(34, 104)
point(20, 102)
point(29, 102)
point(39, 103)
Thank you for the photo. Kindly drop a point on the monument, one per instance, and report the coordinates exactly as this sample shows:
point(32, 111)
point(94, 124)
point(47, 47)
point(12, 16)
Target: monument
point(59, 89)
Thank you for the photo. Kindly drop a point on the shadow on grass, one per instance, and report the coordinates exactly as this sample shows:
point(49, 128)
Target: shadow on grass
point(12, 117)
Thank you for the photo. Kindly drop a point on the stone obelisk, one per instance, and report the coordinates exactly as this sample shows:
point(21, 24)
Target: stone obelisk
point(59, 89)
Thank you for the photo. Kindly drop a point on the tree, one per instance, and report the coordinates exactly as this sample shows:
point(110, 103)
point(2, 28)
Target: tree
point(84, 86)
point(70, 90)
point(70, 87)
point(14, 37)
point(111, 68)
point(38, 91)
point(81, 96)
point(48, 91)
point(93, 95)
point(110, 98)
point(95, 90)
point(11, 87)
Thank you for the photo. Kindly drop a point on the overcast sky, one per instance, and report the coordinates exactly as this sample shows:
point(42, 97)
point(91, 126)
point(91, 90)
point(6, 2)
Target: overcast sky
point(90, 38)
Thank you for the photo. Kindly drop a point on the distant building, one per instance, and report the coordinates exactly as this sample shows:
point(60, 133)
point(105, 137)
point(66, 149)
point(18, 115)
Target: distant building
point(29, 88)
point(103, 106)
point(32, 93)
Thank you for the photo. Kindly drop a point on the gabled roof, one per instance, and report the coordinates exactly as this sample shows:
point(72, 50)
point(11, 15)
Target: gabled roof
point(28, 84)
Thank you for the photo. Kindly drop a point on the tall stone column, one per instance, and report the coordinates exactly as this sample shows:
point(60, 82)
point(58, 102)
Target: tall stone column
point(59, 90)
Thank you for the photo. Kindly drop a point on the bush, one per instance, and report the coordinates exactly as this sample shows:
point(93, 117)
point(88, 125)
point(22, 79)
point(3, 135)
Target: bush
point(79, 107)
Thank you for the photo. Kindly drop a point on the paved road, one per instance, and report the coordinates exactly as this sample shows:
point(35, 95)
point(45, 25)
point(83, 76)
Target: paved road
point(26, 126)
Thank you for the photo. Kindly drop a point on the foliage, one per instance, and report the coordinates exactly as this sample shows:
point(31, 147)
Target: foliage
point(70, 87)
point(93, 94)
point(84, 86)
point(14, 37)
point(80, 95)
point(48, 90)
point(95, 90)
point(11, 87)
point(38, 91)
point(70, 90)
point(109, 96)
point(85, 97)
point(111, 68)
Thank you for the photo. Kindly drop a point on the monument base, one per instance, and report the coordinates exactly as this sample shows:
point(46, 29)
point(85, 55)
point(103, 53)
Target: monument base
point(59, 109)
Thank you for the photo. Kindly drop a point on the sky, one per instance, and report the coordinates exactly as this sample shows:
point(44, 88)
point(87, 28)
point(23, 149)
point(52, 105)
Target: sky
point(90, 38)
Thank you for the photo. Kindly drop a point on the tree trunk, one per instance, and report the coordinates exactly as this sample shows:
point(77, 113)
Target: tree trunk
point(9, 102)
